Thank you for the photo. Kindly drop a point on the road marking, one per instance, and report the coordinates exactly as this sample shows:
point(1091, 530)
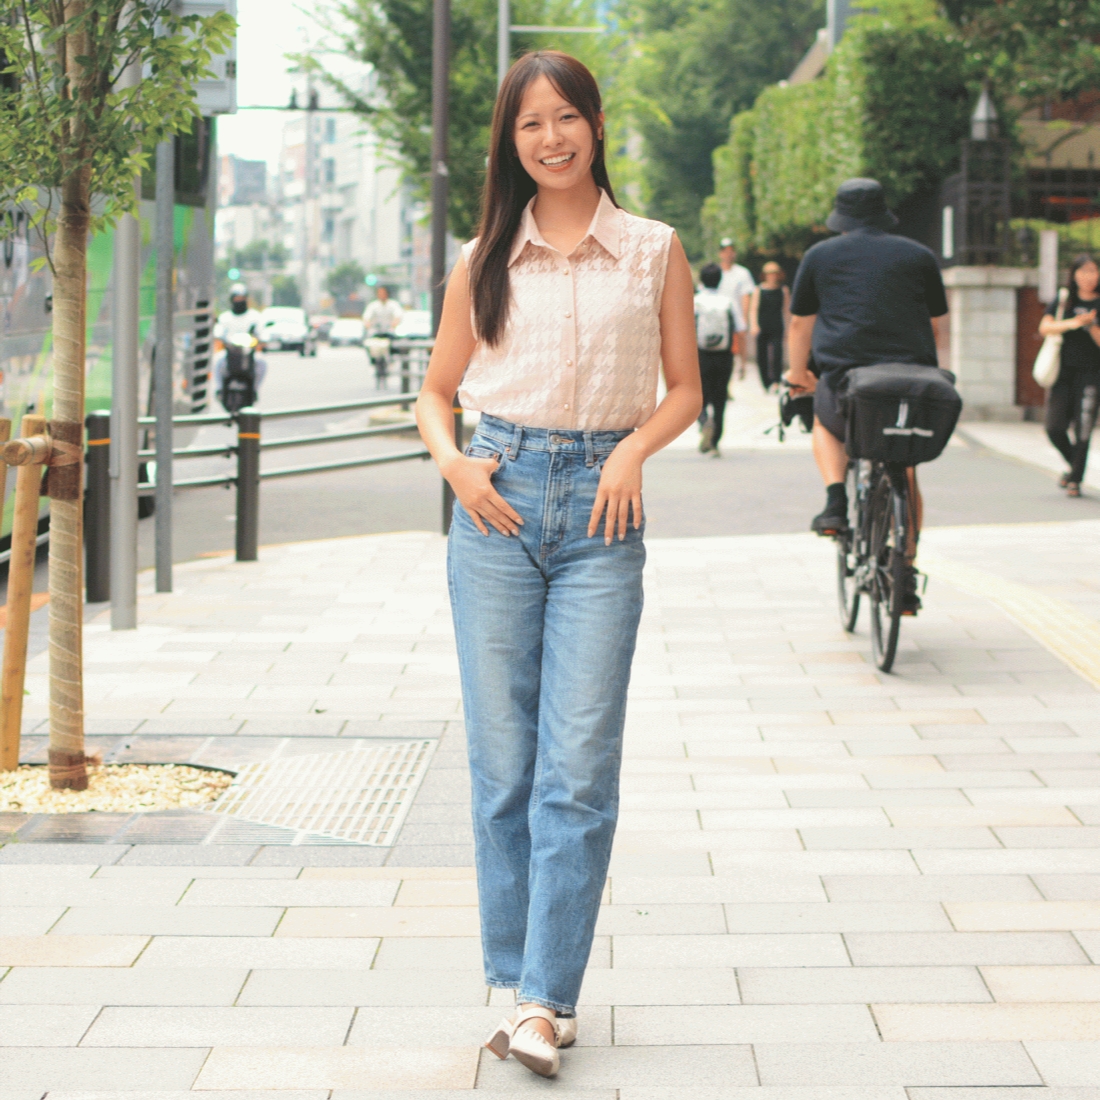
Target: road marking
point(1069, 634)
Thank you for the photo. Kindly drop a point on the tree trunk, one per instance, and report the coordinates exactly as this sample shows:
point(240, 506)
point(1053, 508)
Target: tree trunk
point(67, 761)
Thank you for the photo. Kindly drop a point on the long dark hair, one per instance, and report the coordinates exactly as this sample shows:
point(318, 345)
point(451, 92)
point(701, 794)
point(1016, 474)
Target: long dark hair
point(508, 187)
point(1079, 262)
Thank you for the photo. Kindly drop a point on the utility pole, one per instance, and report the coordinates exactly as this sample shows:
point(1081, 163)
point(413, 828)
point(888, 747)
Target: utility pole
point(124, 409)
point(504, 39)
point(162, 375)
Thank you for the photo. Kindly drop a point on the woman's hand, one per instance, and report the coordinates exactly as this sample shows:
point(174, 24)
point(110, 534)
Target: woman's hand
point(1083, 320)
point(470, 478)
point(620, 490)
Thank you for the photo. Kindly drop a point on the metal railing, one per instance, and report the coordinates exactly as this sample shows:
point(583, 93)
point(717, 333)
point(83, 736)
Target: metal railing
point(248, 447)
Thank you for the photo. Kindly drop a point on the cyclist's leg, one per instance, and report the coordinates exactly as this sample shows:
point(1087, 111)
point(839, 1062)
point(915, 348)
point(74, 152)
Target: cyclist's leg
point(916, 514)
point(830, 456)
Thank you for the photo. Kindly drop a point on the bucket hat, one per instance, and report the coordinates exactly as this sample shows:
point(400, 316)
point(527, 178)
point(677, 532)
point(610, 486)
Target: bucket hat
point(860, 203)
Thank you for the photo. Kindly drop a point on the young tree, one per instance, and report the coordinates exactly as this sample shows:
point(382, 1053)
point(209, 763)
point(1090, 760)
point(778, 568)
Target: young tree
point(345, 279)
point(72, 142)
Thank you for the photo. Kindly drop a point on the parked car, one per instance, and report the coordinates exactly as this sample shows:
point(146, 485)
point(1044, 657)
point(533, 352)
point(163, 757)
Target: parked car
point(286, 328)
point(416, 324)
point(346, 332)
point(320, 323)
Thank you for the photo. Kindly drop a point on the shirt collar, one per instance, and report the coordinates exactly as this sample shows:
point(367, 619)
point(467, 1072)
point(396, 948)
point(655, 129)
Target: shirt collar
point(605, 228)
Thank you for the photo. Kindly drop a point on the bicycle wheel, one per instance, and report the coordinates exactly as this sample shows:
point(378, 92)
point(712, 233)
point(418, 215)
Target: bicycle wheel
point(887, 551)
point(847, 556)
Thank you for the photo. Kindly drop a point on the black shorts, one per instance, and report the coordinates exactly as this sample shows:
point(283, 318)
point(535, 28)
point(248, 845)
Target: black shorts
point(825, 403)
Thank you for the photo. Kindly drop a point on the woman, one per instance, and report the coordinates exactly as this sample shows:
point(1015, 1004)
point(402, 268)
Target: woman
point(769, 310)
point(1073, 398)
point(554, 322)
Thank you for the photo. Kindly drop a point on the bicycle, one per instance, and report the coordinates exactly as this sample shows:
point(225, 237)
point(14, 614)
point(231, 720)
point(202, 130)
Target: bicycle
point(872, 555)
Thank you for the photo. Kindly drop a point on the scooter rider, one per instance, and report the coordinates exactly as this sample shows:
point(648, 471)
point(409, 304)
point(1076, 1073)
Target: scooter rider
point(238, 321)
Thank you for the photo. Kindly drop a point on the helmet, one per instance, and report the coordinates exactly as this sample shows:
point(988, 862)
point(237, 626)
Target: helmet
point(238, 290)
point(238, 298)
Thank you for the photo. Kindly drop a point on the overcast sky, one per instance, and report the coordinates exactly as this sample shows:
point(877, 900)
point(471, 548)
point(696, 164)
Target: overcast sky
point(269, 29)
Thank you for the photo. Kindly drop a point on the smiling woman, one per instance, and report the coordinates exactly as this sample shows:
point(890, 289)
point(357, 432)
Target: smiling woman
point(556, 322)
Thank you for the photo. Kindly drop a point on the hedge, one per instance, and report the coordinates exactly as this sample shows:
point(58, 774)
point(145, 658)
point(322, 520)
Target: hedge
point(893, 103)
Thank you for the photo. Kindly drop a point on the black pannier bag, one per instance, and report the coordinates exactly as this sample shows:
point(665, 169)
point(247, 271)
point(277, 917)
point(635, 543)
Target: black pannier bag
point(899, 412)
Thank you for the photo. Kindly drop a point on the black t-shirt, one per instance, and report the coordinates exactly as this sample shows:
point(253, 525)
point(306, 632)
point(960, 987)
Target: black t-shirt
point(874, 294)
point(1079, 350)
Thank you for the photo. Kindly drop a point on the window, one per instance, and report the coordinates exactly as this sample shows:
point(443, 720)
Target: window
point(330, 170)
point(330, 130)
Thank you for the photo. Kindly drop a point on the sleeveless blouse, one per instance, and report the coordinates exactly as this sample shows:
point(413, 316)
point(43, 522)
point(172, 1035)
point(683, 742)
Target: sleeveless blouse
point(583, 342)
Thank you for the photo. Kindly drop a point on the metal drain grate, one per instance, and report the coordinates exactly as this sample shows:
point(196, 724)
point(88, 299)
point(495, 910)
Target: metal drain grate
point(361, 795)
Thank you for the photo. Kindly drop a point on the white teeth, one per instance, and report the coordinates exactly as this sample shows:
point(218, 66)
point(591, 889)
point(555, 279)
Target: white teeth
point(553, 162)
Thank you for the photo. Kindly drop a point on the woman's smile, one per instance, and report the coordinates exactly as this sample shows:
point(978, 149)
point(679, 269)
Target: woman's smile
point(558, 160)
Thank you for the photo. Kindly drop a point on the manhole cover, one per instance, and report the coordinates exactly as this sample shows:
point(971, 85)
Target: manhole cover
point(360, 796)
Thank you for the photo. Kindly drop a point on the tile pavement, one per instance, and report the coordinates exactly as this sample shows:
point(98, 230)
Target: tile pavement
point(828, 884)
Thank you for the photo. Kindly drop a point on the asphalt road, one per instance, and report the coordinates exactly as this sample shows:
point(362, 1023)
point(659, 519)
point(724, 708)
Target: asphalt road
point(744, 492)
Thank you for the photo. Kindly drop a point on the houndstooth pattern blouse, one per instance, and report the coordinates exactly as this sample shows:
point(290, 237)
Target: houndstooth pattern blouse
point(583, 342)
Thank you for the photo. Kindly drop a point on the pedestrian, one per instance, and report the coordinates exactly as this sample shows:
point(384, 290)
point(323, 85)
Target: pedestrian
point(737, 285)
point(717, 324)
point(1072, 401)
point(769, 310)
point(555, 323)
point(383, 315)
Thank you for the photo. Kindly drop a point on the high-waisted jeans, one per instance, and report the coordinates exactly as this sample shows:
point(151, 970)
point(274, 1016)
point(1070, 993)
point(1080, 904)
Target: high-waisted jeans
point(545, 623)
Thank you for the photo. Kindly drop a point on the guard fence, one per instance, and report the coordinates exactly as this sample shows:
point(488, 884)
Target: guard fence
point(248, 475)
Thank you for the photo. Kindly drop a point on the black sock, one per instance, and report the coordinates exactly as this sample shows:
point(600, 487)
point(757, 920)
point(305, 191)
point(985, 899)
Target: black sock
point(836, 498)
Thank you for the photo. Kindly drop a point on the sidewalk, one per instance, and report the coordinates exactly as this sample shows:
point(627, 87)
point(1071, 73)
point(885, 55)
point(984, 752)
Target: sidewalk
point(827, 884)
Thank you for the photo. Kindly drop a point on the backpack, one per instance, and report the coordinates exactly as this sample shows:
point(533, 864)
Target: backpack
point(239, 387)
point(898, 412)
point(713, 322)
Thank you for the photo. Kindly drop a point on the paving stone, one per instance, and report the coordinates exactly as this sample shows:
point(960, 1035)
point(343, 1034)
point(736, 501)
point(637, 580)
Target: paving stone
point(51, 1068)
point(427, 891)
point(59, 950)
point(28, 920)
point(44, 1025)
point(82, 892)
point(709, 1025)
point(61, 853)
point(338, 855)
point(658, 952)
point(1005, 1093)
point(185, 855)
point(180, 1026)
point(861, 985)
point(288, 1067)
point(1067, 1063)
point(763, 1092)
point(189, 872)
point(1069, 887)
point(154, 920)
point(1024, 916)
point(955, 1063)
point(174, 1094)
point(429, 953)
point(704, 986)
point(1043, 984)
point(255, 953)
point(120, 986)
point(1017, 861)
point(840, 839)
point(628, 890)
point(686, 1068)
point(1090, 941)
point(961, 948)
point(837, 917)
point(298, 892)
point(650, 919)
point(988, 1022)
point(384, 921)
point(918, 888)
point(362, 987)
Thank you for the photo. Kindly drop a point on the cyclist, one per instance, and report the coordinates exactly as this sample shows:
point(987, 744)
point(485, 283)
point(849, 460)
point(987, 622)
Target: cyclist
point(862, 298)
point(239, 317)
point(234, 326)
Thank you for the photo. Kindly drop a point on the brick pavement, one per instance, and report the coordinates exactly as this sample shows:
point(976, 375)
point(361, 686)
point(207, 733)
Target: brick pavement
point(827, 884)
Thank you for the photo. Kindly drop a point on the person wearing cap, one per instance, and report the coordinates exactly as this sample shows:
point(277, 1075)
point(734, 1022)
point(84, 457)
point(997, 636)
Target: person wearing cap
point(862, 298)
point(737, 284)
point(239, 317)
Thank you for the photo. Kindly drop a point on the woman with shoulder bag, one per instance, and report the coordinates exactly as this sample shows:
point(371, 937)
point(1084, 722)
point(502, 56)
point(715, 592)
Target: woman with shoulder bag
point(1072, 401)
point(555, 322)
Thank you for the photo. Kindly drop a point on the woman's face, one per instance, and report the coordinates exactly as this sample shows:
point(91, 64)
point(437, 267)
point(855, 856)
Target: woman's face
point(553, 139)
point(772, 275)
point(1087, 277)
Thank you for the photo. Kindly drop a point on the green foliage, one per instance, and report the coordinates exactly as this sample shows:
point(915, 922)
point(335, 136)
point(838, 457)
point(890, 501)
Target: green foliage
point(258, 255)
point(285, 292)
point(893, 104)
point(61, 116)
point(394, 37)
point(698, 63)
point(1073, 237)
point(345, 279)
point(1031, 49)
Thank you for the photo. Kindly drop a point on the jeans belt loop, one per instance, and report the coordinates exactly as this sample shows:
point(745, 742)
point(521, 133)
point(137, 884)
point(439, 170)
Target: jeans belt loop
point(589, 450)
point(517, 441)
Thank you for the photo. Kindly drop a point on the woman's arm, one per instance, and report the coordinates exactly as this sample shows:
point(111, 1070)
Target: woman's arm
point(754, 312)
point(620, 487)
point(469, 477)
point(786, 306)
point(1049, 326)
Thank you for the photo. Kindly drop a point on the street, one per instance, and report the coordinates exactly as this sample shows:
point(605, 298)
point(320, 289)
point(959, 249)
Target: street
point(756, 488)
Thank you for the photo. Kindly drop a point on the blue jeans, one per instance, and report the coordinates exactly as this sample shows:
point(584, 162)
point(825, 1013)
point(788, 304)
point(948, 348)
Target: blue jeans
point(545, 623)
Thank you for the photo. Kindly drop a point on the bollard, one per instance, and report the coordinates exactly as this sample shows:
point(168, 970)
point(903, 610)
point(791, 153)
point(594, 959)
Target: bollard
point(248, 484)
point(24, 536)
point(448, 492)
point(97, 509)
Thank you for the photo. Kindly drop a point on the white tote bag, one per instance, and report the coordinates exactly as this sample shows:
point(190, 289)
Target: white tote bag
point(1049, 360)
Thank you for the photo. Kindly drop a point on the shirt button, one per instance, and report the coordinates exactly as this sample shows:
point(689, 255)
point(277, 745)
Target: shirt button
point(566, 271)
point(569, 362)
point(565, 406)
point(568, 314)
